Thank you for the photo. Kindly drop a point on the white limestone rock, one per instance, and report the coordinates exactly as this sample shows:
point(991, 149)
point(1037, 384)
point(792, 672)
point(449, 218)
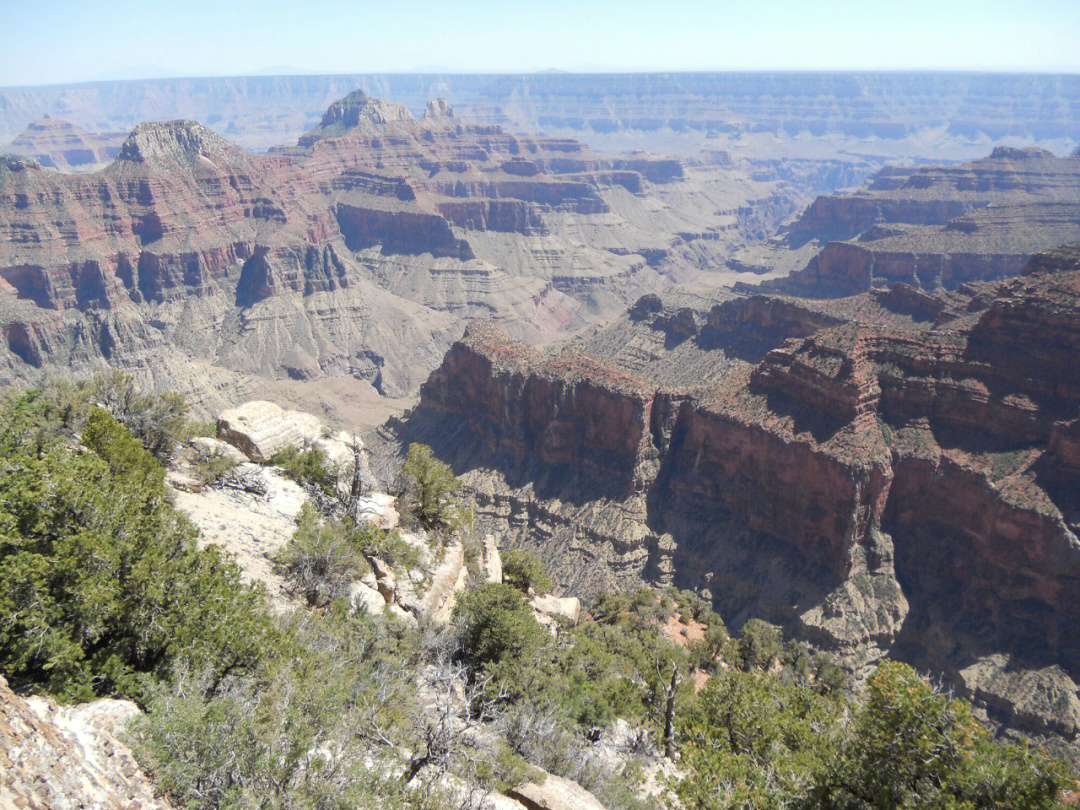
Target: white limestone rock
point(260, 429)
point(555, 793)
point(377, 508)
point(552, 606)
point(362, 596)
point(490, 561)
point(205, 446)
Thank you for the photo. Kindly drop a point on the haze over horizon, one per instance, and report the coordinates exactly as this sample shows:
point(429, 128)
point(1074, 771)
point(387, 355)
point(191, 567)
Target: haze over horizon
point(61, 41)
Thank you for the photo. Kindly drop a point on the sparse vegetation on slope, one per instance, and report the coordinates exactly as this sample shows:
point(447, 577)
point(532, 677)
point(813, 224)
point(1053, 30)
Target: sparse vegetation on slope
point(104, 591)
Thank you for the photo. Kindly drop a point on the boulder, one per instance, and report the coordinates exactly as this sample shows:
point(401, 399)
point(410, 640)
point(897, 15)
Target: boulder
point(377, 508)
point(552, 606)
point(340, 447)
point(260, 429)
point(399, 612)
point(490, 560)
point(555, 793)
point(385, 579)
point(205, 446)
point(365, 597)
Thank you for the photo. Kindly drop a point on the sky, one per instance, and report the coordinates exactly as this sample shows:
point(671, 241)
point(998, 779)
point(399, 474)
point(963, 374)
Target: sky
point(61, 41)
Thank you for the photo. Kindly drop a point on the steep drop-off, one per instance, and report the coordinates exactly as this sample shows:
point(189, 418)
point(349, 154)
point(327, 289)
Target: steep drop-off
point(893, 473)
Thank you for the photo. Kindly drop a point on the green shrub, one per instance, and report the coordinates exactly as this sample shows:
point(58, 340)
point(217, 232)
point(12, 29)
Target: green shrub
point(759, 645)
point(296, 733)
point(494, 623)
point(829, 677)
point(751, 740)
point(913, 747)
point(157, 420)
point(797, 662)
point(101, 582)
point(321, 558)
point(715, 647)
point(125, 455)
point(211, 468)
point(309, 467)
point(425, 489)
point(524, 570)
point(206, 428)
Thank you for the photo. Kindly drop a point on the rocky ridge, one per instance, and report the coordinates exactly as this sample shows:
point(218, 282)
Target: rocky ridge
point(923, 112)
point(57, 144)
point(930, 227)
point(356, 254)
point(892, 473)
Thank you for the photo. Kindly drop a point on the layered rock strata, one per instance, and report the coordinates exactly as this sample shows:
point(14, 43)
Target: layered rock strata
point(889, 473)
point(356, 253)
point(934, 227)
point(69, 756)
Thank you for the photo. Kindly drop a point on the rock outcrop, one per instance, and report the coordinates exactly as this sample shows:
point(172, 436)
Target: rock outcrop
point(252, 517)
point(555, 793)
point(891, 473)
point(57, 144)
point(60, 757)
point(938, 227)
point(260, 429)
point(357, 253)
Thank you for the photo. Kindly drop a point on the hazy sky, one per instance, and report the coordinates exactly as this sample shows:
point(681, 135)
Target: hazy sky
point(49, 41)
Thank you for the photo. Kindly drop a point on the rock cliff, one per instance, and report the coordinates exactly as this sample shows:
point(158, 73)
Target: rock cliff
point(355, 254)
point(936, 227)
point(69, 757)
point(58, 144)
point(893, 473)
point(868, 109)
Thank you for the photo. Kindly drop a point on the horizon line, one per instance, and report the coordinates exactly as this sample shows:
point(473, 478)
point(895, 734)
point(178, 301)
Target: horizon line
point(1073, 72)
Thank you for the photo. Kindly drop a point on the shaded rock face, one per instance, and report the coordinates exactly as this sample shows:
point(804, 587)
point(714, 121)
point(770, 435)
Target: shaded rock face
point(893, 473)
point(69, 757)
point(555, 411)
point(939, 227)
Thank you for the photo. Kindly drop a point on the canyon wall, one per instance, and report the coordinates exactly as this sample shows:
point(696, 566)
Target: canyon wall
point(268, 110)
point(889, 474)
point(356, 254)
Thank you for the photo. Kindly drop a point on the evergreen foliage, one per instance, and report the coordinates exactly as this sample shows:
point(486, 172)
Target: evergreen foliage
point(101, 582)
point(322, 558)
point(104, 591)
point(309, 467)
point(425, 486)
point(524, 570)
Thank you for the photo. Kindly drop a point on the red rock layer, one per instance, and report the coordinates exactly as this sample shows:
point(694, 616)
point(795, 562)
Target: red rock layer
point(939, 227)
point(949, 422)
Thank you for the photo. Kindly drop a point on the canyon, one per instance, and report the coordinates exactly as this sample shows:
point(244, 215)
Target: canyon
point(58, 144)
point(860, 422)
point(925, 115)
point(350, 260)
point(930, 227)
point(892, 473)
